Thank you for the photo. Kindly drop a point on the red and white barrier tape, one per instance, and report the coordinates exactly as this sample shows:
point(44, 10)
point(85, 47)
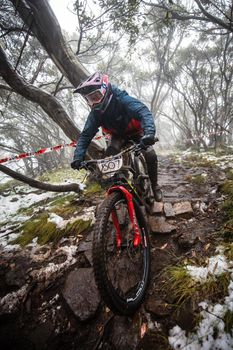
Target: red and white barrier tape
point(42, 151)
point(73, 144)
point(36, 153)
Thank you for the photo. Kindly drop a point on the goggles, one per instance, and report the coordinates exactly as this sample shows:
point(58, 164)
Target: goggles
point(94, 97)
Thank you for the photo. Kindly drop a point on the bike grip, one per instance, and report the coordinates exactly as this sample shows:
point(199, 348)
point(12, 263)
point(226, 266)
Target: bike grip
point(83, 165)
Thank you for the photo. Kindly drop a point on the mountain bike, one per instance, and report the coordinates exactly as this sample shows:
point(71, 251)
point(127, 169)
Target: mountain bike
point(121, 248)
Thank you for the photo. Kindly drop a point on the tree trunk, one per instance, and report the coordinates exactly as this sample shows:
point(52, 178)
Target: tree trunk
point(37, 184)
point(47, 101)
point(40, 19)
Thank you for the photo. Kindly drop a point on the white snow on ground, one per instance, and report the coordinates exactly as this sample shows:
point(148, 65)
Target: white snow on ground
point(46, 273)
point(210, 333)
point(58, 220)
point(6, 237)
point(89, 214)
point(11, 301)
point(11, 204)
point(216, 266)
point(223, 162)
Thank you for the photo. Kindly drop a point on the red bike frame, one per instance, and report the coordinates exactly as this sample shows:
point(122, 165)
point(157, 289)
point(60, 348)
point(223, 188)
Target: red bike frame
point(129, 198)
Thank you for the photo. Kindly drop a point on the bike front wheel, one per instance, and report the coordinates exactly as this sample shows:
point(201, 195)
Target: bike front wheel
point(121, 271)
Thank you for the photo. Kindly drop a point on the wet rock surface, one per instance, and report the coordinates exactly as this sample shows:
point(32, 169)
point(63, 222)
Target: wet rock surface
point(48, 298)
point(81, 293)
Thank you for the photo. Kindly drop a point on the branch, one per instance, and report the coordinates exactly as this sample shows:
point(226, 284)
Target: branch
point(212, 18)
point(11, 29)
point(23, 47)
point(37, 184)
point(47, 30)
point(57, 85)
point(5, 87)
point(46, 101)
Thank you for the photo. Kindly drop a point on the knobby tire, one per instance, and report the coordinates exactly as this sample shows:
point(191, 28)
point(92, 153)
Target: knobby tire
point(118, 302)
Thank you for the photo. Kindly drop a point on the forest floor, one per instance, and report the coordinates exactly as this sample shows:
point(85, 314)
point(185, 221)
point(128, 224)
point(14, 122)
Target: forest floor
point(48, 297)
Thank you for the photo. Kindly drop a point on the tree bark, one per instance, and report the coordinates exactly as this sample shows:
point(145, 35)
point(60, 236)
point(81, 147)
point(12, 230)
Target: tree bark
point(48, 102)
point(37, 184)
point(39, 17)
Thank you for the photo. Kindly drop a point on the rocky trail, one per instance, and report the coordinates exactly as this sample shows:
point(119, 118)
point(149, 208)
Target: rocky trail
point(48, 296)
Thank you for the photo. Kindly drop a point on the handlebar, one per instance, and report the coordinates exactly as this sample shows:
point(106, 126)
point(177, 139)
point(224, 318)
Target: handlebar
point(87, 163)
point(136, 147)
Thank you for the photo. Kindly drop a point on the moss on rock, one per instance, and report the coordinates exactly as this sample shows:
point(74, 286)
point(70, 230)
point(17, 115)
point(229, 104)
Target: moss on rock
point(93, 188)
point(199, 179)
point(9, 185)
point(227, 188)
point(61, 175)
point(229, 174)
point(47, 231)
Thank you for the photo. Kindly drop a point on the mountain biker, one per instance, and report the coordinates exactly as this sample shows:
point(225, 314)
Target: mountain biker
point(123, 117)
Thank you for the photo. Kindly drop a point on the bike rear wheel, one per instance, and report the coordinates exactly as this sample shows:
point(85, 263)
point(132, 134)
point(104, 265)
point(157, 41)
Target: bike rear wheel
point(121, 273)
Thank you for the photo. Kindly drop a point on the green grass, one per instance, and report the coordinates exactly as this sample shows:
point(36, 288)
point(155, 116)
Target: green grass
point(227, 231)
point(198, 179)
point(183, 287)
point(64, 199)
point(229, 174)
point(60, 175)
point(228, 250)
point(26, 211)
point(227, 208)
point(9, 185)
point(180, 283)
point(47, 231)
point(228, 320)
point(93, 188)
point(227, 188)
point(199, 160)
point(66, 211)
point(65, 206)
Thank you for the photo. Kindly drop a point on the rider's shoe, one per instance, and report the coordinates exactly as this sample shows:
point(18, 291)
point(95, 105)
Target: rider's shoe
point(158, 194)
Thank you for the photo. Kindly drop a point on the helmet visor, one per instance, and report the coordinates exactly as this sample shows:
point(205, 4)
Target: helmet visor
point(94, 97)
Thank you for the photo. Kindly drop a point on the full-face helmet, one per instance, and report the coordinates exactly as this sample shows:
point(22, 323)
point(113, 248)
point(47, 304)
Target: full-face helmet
point(95, 90)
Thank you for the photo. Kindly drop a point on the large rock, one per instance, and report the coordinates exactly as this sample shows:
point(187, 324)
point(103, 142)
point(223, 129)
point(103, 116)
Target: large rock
point(157, 208)
point(81, 293)
point(124, 333)
point(168, 210)
point(84, 246)
point(160, 225)
point(157, 307)
point(183, 209)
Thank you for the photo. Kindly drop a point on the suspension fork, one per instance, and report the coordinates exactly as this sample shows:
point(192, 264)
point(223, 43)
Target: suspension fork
point(132, 214)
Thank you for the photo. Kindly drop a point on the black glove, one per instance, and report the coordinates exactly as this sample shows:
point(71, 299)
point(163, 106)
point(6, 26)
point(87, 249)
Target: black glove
point(147, 140)
point(76, 164)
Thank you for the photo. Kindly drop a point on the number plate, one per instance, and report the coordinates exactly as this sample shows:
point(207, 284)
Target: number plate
point(110, 165)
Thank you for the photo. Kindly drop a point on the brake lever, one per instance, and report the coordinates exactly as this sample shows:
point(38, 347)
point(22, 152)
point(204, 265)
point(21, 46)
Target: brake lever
point(138, 149)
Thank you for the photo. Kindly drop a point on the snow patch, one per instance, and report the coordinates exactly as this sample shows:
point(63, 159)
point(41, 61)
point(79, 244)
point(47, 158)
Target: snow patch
point(58, 221)
point(52, 269)
point(10, 302)
point(210, 334)
point(11, 204)
point(216, 266)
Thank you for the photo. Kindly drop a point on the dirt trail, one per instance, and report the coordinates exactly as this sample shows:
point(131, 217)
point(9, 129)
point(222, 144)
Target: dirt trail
point(51, 315)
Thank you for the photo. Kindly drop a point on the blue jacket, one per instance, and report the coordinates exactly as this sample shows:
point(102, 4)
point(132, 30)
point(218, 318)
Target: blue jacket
point(121, 111)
